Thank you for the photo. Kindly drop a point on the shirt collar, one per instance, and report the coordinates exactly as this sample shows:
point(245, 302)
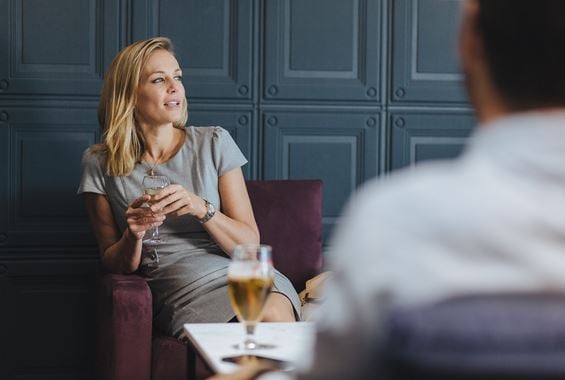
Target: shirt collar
point(529, 141)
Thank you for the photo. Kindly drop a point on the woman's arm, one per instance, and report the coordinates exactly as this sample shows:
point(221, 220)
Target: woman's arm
point(120, 253)
point(234, 224)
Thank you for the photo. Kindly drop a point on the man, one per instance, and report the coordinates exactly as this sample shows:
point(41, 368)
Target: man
point(490, 221)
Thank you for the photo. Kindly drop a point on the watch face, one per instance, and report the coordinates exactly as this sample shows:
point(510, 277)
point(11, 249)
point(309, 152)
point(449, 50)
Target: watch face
point(210, 211)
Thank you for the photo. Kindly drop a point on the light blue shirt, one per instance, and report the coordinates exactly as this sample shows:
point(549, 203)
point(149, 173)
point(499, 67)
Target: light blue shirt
point(491, 221)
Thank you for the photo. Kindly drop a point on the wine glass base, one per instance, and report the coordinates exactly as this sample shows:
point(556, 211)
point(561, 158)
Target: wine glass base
point(153, 241)
point(253, 346)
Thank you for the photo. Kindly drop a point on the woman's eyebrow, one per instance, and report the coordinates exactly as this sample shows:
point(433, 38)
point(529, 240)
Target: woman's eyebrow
point(162, 72)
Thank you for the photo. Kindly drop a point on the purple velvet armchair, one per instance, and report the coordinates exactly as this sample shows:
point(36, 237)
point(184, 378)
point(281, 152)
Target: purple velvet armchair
point(289, 216)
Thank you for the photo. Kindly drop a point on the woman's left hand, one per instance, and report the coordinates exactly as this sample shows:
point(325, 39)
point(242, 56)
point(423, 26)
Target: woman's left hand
point(176, 200)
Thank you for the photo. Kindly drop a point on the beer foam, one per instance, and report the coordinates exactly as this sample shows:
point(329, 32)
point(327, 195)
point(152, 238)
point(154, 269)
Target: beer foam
point(248, 269)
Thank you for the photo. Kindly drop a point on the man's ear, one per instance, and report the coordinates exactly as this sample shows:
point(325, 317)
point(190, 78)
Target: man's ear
point(470, 49)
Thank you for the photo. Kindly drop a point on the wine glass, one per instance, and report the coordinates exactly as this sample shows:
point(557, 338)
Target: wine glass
point(250, 280)
point(151, 185)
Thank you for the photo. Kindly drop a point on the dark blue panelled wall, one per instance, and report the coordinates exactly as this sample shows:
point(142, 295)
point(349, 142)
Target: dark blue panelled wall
point(341, 90)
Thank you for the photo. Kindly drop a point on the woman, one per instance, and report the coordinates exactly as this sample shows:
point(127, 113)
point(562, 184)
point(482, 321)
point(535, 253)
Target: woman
point(202, 215)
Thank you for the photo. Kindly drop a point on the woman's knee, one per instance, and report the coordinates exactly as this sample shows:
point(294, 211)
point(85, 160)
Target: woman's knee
point(278, 309)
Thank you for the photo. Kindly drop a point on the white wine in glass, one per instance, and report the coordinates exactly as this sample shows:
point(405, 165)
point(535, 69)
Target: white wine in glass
point(152, 184)
point(250, 280)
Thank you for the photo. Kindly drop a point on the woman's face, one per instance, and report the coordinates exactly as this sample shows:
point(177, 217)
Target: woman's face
point(160, 94)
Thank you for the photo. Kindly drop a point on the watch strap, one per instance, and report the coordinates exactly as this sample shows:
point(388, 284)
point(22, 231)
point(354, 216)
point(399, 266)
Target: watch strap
point(210, 212)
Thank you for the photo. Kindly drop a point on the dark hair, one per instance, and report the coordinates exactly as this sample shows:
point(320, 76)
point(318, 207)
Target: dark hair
point(524, 43)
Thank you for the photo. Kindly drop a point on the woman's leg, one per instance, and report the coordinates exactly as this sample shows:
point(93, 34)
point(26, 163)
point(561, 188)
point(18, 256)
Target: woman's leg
point(278, 309)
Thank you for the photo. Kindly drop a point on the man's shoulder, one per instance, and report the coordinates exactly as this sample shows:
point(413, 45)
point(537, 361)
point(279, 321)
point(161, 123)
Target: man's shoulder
point(431, 197)
point(424, 182)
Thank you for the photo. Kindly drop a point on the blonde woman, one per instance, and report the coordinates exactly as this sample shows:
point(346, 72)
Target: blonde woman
point(202, 215)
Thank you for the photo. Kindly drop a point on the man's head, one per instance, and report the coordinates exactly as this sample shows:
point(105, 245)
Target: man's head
point(516, 49)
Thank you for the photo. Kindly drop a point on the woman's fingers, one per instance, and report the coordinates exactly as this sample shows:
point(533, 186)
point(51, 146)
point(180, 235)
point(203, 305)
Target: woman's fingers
point(175, 200)
point(143, 218)
point(178, 207)
point(167, 191)
point(146, 218)
point(138, 202)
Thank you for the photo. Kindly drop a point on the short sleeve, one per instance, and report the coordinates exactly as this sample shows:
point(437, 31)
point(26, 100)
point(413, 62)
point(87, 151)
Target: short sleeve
point(92, 179)
point(226, 153)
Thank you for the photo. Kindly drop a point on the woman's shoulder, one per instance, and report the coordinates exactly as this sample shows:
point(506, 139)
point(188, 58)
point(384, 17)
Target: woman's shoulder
point(94, 155)
point(200, 133)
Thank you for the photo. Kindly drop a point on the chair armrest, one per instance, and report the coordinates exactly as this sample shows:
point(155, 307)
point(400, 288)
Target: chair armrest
point(125, 319)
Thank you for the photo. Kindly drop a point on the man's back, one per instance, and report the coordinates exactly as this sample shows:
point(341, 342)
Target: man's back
point(493, 220)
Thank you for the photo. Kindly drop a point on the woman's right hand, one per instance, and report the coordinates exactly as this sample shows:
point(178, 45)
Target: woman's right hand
point(140, 218)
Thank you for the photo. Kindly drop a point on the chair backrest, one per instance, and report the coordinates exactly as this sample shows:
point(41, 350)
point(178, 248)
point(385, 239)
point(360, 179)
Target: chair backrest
point(289, 217)
point(498, 336)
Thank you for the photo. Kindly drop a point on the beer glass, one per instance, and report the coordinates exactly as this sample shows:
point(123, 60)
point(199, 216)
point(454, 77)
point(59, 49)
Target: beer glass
point(151, 185)
point(250, 280)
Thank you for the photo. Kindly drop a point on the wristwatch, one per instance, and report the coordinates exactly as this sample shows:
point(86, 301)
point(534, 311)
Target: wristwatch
point(210, 211)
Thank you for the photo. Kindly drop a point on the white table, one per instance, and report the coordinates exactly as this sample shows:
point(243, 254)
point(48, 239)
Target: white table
point(214, 341)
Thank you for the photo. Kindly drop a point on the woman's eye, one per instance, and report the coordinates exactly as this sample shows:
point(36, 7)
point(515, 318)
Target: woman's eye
point(179, 78)
point(157, 80)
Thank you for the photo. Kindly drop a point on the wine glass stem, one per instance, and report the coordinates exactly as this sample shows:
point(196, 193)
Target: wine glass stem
point(250, 343)
point(156, 233)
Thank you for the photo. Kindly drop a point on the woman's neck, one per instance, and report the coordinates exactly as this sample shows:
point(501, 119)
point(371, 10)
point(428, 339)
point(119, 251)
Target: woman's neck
point(161, 142)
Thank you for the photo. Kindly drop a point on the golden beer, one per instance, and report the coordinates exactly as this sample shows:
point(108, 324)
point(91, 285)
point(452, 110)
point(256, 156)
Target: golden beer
point(248, 296)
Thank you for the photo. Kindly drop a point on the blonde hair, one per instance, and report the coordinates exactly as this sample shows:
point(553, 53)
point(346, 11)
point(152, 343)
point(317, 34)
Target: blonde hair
point(121, 142)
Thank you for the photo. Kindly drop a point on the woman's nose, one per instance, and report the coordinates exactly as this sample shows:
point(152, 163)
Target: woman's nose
point(174, 86)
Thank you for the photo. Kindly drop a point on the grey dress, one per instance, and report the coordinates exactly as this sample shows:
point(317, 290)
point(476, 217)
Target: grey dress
point(189, 281)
